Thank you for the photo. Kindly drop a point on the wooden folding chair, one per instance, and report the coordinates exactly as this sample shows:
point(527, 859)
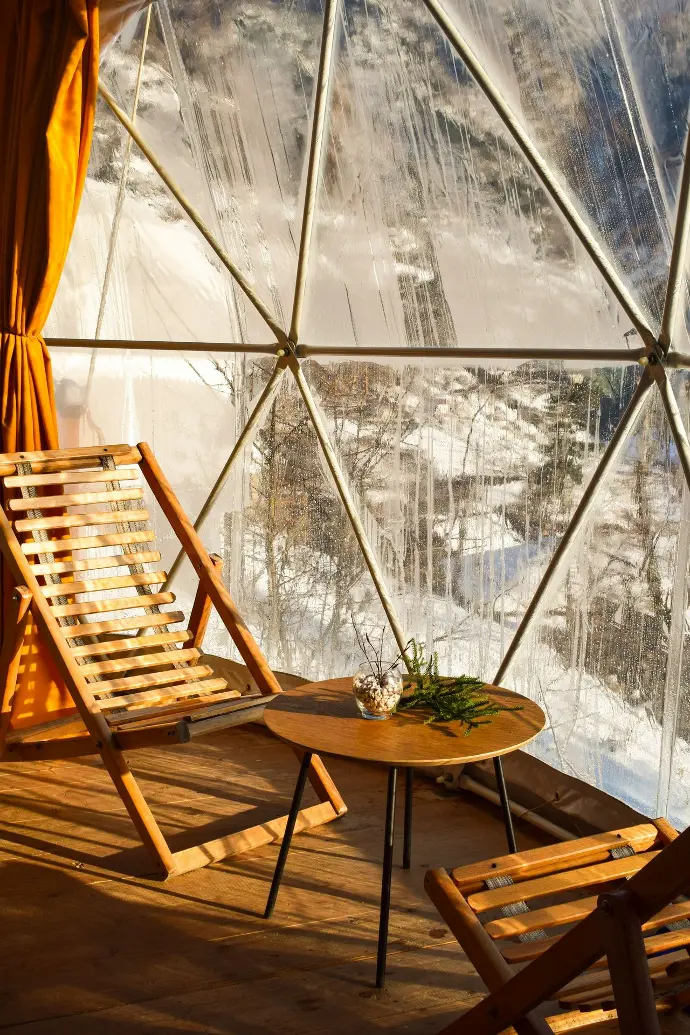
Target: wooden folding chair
point(135, 680)
point(599, 925)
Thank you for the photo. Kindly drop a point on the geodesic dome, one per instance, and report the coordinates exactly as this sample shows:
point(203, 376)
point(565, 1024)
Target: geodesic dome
point(397, 291)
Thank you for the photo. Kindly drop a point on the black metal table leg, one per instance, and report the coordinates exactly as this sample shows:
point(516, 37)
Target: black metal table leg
point(386, 880)
point(289, 831)
point(407, 841)
point(503, 795)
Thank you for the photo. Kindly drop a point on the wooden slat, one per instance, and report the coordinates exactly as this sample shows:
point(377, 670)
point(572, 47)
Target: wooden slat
point(71, 632)
point(71, 589)
point(677, 974)
point(153, 736)
point(92, 607)
point(252, 837)
point(569, 912)
point(201, 562)
point(226, 719)
point(524, 951)
point(65, 726)
point(143, 679)
point(597, 983)
point(138, 643)
point(164, 695)
point(46, 750)
point(118, 560)
point(43, 461)
point(99, 517)
point(77, 499)
point(208, 705)
point(90, 542)
point(170, 657)
point(593, 1022)
point(556, 883)
point(71, 477)
point(538, 919)
point(525, 865)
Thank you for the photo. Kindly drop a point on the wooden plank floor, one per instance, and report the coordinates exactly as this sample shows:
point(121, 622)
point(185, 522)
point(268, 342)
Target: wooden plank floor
point(87, 948)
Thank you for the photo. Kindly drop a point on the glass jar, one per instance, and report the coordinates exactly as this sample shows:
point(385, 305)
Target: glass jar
point(377, 699)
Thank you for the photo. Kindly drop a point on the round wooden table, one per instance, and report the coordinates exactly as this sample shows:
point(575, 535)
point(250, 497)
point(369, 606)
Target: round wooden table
point(323, 718)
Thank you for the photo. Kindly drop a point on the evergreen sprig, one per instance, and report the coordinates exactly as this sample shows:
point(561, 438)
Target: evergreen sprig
point(454, 699)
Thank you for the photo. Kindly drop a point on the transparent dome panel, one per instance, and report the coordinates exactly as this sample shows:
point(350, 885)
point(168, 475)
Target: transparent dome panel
point(431, 228)
point(225, 106)
point(674, 786)
point(290, 557)
point(137, 268)
point(654, 38)
point(466, 478)
point(601, 660)
point(189, 407)
point(564, 71)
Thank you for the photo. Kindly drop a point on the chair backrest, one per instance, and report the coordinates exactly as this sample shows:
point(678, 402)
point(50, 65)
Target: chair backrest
point(85, 536)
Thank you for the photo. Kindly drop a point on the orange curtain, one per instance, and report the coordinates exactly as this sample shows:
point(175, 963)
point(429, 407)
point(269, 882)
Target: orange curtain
point(48, 82)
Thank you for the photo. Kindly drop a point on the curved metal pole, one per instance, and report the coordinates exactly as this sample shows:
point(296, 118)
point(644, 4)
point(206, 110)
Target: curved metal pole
point(119, 201)
point(609, 458)
point(121, 187)
point(269, 349)
point(193, 214)
point(449, 353)
point(320, 126)
point(543, 171)
point(676, 632)
point(254, 418)
point(675, 288)
point(349, 504)
point(674, 418)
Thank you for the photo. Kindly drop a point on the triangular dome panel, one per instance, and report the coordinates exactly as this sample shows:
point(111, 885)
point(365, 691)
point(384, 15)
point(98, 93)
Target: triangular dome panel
point(165, 282)
point(601, 660)
point(226, 105)
point(655, 40)
point(574, 76)
point(466, 478)
point(432, 228)
point(190, 407)
point(291, 557)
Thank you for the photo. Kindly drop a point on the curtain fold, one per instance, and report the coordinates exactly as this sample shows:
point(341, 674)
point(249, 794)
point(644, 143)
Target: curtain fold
point(48, 84)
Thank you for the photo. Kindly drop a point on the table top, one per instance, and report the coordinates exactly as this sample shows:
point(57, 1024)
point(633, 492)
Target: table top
point(323, 717)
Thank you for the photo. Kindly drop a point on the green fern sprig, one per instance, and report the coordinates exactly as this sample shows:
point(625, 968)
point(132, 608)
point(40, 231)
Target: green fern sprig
point(454, 699)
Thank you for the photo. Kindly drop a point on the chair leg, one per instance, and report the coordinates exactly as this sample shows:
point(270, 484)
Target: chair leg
point(627, 962)
point(136, 805)
point(407, 831)
point(10, 656)
point(325, 788)
point(505, 805)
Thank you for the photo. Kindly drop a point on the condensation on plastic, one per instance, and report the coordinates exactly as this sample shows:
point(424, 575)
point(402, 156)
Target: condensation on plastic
point(572, 73)
point(605, 660)
point(654, 39)
point(432, 228)
point(225, 106)
point(292, 561)
point(189, 407)
point(166, 282)
point(674, 788)
point(466, 478)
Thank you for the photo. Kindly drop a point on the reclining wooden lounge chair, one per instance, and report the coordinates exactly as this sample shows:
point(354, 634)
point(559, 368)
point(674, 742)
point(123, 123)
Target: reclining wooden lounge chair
point(597, 924)
point(135, 680)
